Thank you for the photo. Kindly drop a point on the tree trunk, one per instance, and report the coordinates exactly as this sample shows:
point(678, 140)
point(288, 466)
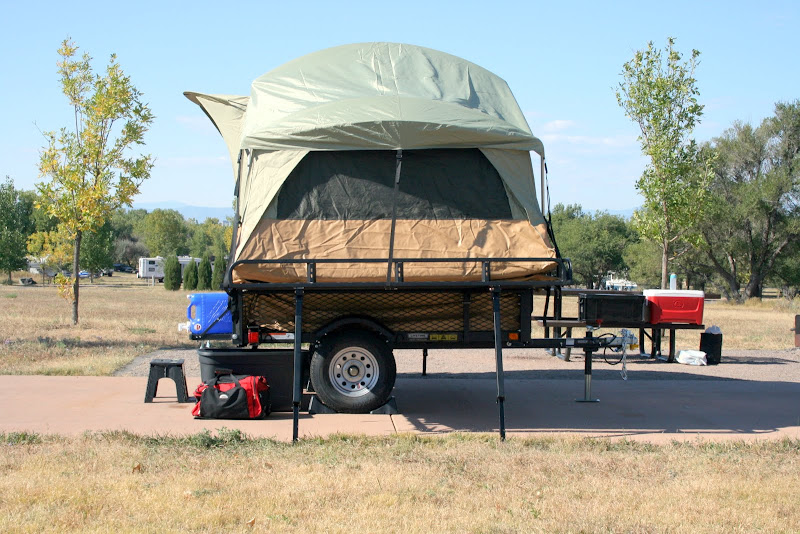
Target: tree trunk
point(753, 288)
point(664, 264)
point(76, 256)
point(9, 278)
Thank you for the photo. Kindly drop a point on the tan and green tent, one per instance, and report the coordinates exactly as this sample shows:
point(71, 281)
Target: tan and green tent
point(318, 147)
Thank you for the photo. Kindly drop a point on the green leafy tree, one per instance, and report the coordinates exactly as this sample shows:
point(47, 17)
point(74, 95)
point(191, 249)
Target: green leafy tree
point(190, 276)
point(128, 251)
point(165, 233)
point(89, 166)
point(128, 229)
point(205, 236)
point(53, 250)
point(199, 240)
point(659, 93)
point(642, 257)
point(755, 219)
point(172, 273)
point(15, 224)
point(220, 266)
point(594, 243)
point(204, 274)
point(128, 223)
point(786, 275)
point(36, 218)
point(97, 251)
point(693, 271)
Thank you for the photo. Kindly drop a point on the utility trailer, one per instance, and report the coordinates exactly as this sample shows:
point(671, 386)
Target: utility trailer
point(352, 328)
point(385, 198)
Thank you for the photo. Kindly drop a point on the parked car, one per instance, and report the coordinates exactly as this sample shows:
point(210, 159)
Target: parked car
point(122, 268)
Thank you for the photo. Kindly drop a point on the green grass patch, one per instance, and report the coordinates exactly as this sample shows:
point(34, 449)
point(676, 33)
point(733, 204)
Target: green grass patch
point(20, 438)
point(141, 330)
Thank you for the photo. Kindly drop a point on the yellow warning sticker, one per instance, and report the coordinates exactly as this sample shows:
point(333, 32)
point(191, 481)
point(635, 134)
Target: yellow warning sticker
point(444, 337)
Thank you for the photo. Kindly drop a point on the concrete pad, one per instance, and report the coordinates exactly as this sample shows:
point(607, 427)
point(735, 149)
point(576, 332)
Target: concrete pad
point(642, 409)
point(67, 405)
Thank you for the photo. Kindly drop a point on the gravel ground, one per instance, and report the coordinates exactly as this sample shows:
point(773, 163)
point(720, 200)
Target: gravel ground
point(776, 366)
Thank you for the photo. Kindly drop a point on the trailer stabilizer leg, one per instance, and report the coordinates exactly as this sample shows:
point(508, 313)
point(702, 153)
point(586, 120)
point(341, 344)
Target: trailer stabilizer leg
point(587, 372)
point(297, 393)
point(501, 405)
point(498, 354)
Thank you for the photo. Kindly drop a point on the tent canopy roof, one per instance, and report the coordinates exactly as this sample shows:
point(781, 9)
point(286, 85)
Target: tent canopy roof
point(374, 96)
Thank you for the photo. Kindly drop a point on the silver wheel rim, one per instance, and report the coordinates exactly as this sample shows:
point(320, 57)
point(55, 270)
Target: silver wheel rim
point(353, 371)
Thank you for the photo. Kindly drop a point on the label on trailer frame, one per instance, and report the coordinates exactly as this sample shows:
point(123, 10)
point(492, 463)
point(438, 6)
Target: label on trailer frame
point(424, 336)
point(280, 336)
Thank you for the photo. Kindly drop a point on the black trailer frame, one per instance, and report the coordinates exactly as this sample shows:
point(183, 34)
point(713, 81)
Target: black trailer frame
point(495, 336)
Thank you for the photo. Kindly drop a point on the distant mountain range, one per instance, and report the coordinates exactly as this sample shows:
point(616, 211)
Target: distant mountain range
point(198, 213)
point(627, 214)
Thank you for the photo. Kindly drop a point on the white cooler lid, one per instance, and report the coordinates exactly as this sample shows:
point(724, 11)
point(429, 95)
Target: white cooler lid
point(674, 293)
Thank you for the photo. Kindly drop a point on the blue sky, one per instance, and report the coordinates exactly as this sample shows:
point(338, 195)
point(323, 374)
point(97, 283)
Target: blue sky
point(561, 59)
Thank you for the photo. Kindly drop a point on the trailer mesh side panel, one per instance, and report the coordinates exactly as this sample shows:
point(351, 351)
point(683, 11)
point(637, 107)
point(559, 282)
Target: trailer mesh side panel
point(399, 312)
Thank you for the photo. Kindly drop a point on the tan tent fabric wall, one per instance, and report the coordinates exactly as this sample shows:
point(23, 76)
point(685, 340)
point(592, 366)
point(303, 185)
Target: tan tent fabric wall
point(261, 181)
point(337, 239)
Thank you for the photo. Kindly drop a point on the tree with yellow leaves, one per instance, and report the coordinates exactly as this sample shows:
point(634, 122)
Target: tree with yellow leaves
point(90, 167)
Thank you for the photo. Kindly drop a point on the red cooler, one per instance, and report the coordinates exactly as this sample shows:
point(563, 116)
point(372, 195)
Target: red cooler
point(671, 306)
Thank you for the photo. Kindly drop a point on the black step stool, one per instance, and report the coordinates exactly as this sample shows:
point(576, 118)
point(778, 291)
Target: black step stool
point(163, 368)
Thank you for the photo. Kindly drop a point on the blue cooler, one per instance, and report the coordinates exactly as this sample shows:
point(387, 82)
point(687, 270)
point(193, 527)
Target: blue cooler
point(204, 309)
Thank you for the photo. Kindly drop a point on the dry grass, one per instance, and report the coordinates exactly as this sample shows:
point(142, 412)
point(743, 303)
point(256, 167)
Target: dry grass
point(758, 324)
point(205, 483)
point(120, 318)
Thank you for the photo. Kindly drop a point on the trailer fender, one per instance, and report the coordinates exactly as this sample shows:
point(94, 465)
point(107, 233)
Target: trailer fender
point(355, 322)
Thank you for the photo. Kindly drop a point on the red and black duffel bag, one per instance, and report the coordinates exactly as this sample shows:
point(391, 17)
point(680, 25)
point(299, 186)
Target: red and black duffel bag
point(232, 397)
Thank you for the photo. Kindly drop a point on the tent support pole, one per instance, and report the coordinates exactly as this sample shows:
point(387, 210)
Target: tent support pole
point(235, 236)
point(542, 172)
point(397, 166)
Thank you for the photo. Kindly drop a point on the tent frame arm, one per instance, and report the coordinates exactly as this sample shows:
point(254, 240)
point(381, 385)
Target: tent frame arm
point(542, 174)
point(397, 166)
point(226, 282)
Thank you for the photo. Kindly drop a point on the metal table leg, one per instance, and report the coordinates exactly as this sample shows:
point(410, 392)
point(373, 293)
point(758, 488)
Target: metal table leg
point(671, 357)
point(587, 373)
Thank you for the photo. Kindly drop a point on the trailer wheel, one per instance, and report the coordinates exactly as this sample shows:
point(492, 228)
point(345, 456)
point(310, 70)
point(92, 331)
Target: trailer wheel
point(353, 372)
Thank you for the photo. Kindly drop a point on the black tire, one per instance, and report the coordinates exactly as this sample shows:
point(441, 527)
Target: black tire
point(353, 372)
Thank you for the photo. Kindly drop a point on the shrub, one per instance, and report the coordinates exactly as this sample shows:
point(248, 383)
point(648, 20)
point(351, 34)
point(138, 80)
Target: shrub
point(190, 276)
point(172, 273)
point(220, 266)
point(204, 273)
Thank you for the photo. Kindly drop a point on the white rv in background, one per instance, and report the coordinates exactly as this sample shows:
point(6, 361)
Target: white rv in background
point(154, 267)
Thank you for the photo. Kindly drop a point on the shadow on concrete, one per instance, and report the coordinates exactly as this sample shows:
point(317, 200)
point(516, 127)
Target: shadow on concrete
point(626, 408)
point(604, 373)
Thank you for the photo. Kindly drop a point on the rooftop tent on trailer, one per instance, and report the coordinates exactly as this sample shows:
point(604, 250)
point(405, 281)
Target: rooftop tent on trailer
point(376, 150)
